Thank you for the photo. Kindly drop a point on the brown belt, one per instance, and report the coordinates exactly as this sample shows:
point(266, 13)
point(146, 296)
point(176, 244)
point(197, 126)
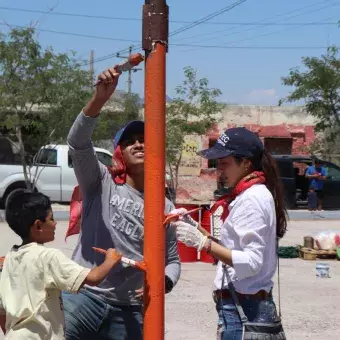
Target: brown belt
point(225, 294)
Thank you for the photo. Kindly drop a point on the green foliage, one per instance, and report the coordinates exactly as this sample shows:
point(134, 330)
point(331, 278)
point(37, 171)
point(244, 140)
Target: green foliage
point(41, 91)
point(117, 113)
point(192, 112)
point(319, 86)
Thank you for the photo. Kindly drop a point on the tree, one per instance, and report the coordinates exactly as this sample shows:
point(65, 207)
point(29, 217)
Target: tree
point(117, 113)
point(319, 86)
point(192, 112)
point(41, 92)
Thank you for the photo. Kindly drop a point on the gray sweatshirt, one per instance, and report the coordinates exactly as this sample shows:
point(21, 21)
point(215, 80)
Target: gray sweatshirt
point(112, 217)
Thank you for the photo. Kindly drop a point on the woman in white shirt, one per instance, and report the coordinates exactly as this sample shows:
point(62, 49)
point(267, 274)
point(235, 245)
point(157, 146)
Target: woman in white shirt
point(254, 218)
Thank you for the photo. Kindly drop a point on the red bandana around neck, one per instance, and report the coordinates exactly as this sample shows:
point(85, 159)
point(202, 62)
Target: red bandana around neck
point(256, 177)
point(118, 173)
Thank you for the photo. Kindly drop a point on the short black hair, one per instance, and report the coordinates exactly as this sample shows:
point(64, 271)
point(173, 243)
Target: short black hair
point(23, 208)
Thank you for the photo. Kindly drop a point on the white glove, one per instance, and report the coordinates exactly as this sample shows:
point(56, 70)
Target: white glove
point(187, 219)
point(189, 235)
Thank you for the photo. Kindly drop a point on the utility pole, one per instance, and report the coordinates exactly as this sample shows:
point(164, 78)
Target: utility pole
point(155, 44)
point(134, 70)
point(91, 63)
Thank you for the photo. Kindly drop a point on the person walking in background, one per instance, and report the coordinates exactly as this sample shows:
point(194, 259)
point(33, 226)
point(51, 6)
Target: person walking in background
point(316, 174)
point(254, 217)
point(312, 200)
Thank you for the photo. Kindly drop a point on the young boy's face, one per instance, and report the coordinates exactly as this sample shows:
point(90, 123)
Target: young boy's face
point(43, 231)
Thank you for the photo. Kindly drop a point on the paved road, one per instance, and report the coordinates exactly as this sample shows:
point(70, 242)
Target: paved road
point(309, 305)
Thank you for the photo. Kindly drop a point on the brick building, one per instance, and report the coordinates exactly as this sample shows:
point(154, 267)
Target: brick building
point(284, 130)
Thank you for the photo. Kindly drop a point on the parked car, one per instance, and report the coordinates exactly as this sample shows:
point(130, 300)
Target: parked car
point(292, 170)
point(52, 171)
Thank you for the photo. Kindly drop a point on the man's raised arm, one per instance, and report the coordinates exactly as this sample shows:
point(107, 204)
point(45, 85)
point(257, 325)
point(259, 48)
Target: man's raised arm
point(88, 170)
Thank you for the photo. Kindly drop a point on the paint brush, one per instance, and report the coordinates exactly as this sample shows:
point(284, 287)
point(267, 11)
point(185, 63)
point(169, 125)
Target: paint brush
point(132, 263)
point(131, 62)
point(175, 217)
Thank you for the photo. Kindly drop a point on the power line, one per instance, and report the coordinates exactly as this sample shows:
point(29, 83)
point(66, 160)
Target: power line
point(195, 23)
point(134, 70)
point(197, 46)
point(260, 24)
point(254, 47)
point(113, 55)
point(82, 35)
point(202, 20)
point(214, 23)
point(239, 48)
point(254, 37)
point(74, 34)
point(264, 35)
point(69, 14)
point(208, 17)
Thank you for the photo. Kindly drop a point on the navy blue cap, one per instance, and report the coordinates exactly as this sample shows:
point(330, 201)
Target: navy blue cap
point(135, 126)
point(235, 141)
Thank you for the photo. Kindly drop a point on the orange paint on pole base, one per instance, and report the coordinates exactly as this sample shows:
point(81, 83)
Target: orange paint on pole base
point(154, 181)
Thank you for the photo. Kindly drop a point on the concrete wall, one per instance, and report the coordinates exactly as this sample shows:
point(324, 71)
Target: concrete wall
point(264, 115)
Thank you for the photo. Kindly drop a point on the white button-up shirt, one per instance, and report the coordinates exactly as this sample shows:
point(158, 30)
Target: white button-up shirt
point(250, 232)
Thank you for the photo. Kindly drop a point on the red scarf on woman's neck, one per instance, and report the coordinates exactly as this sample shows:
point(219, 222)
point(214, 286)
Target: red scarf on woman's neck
point(256, 177)
point(118, 173)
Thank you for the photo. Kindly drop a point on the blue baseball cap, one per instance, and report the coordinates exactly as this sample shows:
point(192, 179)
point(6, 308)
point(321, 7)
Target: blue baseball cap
point(237, 141)
point(135, 126)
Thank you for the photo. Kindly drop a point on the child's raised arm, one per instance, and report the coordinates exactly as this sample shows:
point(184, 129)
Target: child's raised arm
point(98, 274)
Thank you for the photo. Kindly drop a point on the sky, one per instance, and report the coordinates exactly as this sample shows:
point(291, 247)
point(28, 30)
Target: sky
point(244, 51)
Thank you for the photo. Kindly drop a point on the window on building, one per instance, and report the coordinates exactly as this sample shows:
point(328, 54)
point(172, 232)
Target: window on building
point(278, 146)
point(212, 163)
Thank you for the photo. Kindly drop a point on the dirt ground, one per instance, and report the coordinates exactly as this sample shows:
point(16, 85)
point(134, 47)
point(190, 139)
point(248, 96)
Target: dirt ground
point(309, 305)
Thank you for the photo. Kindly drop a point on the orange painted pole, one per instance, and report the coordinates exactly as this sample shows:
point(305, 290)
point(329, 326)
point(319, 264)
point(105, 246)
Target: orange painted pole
point(155, 36)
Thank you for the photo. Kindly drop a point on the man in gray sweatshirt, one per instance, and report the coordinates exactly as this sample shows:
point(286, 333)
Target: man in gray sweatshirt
point(112, 217)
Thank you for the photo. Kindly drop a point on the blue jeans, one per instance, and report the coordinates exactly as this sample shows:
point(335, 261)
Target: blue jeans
point(229, 323)
point(88, 317)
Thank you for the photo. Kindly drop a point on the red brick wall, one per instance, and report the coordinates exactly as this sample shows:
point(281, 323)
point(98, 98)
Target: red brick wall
point(302, 138)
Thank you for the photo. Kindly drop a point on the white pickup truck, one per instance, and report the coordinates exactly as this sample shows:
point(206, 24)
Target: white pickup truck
point(52, 172)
